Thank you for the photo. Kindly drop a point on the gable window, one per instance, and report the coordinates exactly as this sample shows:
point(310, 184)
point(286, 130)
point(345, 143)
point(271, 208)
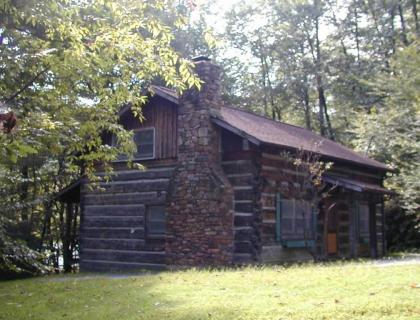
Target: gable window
point(295, 220)
point(156, 221)
point(145, 142)
point(144, 139)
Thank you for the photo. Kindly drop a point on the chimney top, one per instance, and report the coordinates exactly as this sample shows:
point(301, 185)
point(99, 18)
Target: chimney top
point(201, 58)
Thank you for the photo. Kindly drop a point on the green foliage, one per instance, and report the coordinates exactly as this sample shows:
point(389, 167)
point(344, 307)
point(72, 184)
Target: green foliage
point(363, 55)
point(17, 259)
point(66, 69)
point(390, 132)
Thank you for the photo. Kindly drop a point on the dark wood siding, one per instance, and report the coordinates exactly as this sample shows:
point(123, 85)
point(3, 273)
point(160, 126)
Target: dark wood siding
point(162, 115)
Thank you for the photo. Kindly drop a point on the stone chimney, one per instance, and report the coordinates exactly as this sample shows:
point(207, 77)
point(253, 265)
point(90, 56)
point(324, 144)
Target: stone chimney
point(200, 200)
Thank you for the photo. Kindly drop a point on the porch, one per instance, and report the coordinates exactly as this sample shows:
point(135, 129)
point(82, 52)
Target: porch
point(349, 223)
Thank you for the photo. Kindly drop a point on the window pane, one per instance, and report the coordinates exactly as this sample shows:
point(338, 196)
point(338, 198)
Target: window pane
point(144, 151)
point(143, 137)
point(156, 220)
point(157, 213)
point(287, 208)
point(296, 220)
point(364, 218)
point(144, 140)
point(156, 228)
point(287, 226)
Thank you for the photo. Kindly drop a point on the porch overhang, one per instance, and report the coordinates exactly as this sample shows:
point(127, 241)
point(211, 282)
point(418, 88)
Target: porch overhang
point(355, 185)
point(71, 193)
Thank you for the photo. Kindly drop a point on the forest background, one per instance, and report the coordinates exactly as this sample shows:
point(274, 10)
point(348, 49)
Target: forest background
point(348, 70)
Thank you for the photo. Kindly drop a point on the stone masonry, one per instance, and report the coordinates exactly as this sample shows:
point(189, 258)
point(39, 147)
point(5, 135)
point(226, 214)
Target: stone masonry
point(200, 200)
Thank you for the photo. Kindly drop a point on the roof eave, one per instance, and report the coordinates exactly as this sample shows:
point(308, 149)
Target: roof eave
point(235, 130)
point(257, 141)
point(153, 91)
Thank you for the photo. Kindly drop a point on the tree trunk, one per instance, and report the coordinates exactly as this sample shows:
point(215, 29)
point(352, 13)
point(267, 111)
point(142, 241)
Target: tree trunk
point(324, 120)
point(416, 20)
point(402, 21)
point(24, 193)
point(307, 108)
point(356, 23)
point(46, 224)
point(264, 83)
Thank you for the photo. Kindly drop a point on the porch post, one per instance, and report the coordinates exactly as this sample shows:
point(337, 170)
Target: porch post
point(383, 227)
point(372, 230)
point(352, 225)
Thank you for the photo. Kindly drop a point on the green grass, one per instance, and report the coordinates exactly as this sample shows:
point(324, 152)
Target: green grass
point(335, 291)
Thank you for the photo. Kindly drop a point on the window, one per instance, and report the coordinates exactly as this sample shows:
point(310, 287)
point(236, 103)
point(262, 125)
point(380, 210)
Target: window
point(296, 220)
point(144, 139)
point(363, 219)
point(156, 221)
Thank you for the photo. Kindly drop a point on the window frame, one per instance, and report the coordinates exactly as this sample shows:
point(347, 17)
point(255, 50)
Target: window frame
point(298, 240)
point(154, 143)
point(135, 157)
point(151, 235)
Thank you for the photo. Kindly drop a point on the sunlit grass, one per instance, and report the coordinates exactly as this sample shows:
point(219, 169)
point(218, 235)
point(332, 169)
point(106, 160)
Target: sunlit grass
point(335, 291)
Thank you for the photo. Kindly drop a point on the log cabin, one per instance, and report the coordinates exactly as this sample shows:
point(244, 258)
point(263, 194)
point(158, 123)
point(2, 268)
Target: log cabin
point(212, 192)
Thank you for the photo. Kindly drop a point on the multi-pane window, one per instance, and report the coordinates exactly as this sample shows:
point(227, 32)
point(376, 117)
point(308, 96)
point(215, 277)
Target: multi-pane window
point(145, 142)
point(296, 220)
point(144, 139)
point(156, 221)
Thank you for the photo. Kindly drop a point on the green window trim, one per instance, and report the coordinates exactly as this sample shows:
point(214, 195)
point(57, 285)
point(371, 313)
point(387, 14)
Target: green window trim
point(299, 243)
point(294, 243)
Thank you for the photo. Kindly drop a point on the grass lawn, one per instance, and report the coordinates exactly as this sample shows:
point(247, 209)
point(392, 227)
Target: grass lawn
point(334, 291)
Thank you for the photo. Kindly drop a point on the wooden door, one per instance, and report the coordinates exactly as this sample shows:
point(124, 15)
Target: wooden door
point(332, 230)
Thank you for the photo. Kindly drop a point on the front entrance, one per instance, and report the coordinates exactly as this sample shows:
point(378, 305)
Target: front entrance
point(332, 230)
point(337, 229)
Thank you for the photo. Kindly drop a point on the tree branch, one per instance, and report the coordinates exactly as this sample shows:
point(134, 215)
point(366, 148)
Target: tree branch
point(26, 86)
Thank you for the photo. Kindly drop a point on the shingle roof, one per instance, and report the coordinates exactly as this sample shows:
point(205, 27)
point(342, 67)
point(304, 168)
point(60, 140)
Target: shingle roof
point(277, 133)
point(272, 132)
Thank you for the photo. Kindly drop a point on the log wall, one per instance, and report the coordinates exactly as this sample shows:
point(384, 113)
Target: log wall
point(113, 222)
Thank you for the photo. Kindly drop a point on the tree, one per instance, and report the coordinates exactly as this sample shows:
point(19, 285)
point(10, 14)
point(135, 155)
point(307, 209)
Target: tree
point(67, 67)
point(390, 132)
point(340, 68)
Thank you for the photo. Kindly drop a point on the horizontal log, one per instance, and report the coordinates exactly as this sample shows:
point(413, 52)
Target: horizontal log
point(112, 222)
point(125, 198)
point(110, 233)
point(241, 166)
point(151, 173)
point(114, 210)
point(246, 179)
point(124, 255)
point(110, 266)
point(131, 186)
point(244, 247)
point(242, 258)
point(244, 234)
point(243, 220)
point(244, 194)
point(244, 206)
point(116, 244)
